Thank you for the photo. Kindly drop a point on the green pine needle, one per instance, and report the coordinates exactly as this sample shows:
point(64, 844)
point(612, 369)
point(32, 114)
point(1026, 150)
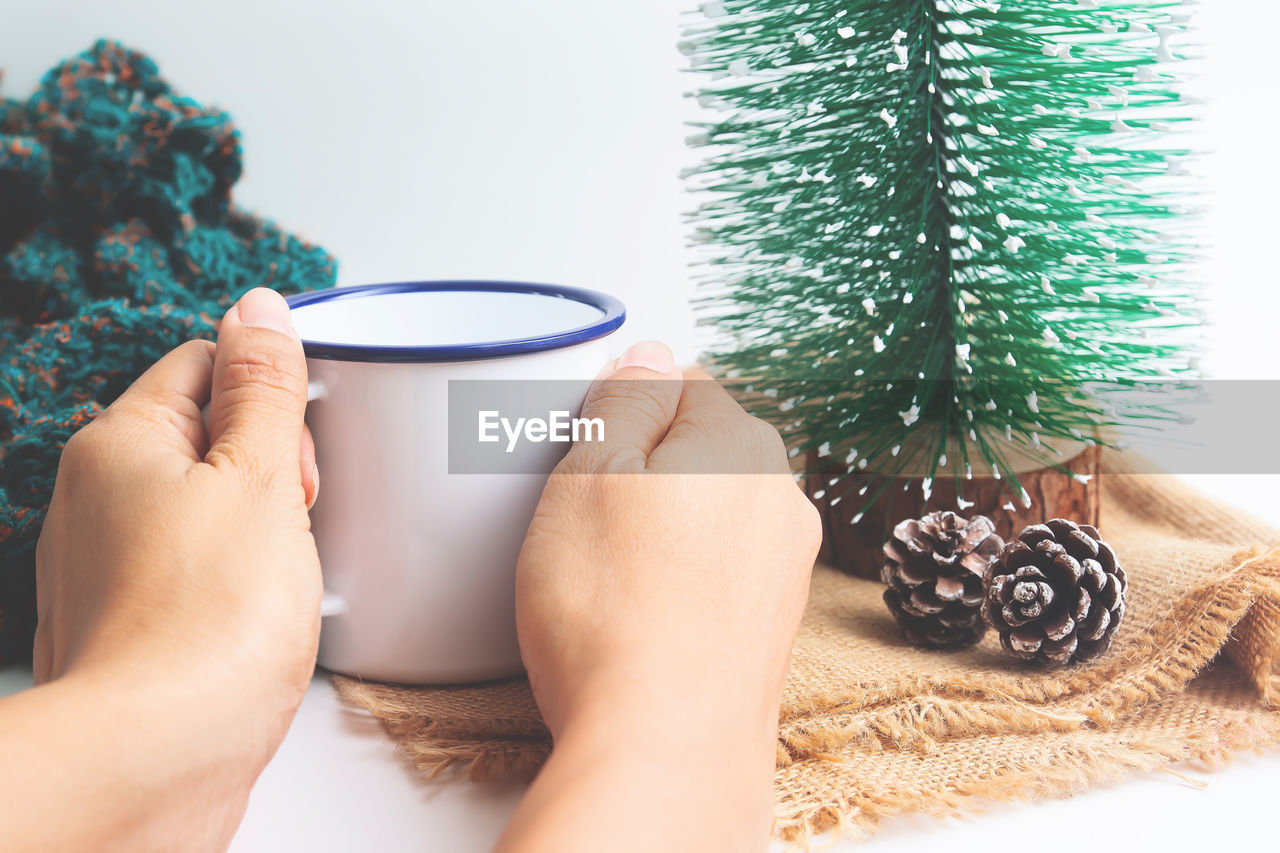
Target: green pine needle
point(946, 226)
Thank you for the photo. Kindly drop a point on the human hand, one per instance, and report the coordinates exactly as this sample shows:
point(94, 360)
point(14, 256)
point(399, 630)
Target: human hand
point(178, 567)
point(656, 609)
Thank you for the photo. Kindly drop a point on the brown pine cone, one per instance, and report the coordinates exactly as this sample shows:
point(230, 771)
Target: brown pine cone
point(1056, 593)
point(933, 570)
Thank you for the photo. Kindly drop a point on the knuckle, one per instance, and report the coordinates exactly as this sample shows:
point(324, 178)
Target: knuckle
point(631, 400)
point(163, 408)
point(763, 438)
point(627, 460)
point(85, 446)
point(597, 459)
point(185, 417)
point(235, 447)
point(91, 455)
point(196, 347)
point(576, 461)
point(701, 430)
point(809, 523)
point(763, 431)
point(77, 446)
point(237, 460)
point(269, 370)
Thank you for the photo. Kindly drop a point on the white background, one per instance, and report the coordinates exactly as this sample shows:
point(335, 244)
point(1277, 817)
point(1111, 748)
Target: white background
point(541, 141)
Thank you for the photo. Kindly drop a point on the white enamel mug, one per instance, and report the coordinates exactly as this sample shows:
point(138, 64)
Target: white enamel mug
point(419, 563)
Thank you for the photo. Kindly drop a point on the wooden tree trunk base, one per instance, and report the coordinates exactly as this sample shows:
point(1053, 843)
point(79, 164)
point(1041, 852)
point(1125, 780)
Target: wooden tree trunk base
point(858, 548)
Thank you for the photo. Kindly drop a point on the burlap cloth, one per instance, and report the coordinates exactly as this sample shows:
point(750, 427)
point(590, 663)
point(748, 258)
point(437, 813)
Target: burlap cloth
point(872, 727)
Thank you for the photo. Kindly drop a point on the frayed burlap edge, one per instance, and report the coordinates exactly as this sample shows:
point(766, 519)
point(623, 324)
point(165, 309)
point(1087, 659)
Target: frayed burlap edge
point(857, 815)
point(918, 713)
point(517, 750)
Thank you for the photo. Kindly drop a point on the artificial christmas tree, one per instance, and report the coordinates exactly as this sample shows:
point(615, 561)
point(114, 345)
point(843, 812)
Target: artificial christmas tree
point(939, 236)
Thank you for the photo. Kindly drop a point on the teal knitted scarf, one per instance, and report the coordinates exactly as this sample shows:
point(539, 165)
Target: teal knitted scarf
point(118, 241)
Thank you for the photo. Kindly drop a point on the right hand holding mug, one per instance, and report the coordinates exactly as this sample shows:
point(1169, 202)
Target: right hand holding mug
point(658, 594)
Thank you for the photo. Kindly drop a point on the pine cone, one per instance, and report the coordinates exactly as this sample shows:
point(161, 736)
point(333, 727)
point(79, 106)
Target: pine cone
point(934, 568)
point(1055, 593)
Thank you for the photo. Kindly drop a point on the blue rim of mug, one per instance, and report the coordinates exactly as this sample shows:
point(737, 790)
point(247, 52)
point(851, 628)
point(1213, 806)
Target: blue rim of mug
point(612, 314)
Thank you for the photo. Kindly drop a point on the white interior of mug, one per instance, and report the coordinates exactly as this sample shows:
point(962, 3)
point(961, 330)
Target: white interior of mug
point(439, 318)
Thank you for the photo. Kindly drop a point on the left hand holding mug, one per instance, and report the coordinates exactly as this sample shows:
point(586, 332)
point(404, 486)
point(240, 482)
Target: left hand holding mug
point(177, 579)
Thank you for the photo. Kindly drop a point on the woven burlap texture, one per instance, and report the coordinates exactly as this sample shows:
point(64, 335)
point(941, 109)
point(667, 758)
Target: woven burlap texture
point(872, 727)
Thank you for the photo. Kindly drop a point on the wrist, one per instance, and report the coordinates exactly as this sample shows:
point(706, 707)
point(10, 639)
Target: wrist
point(178, 736)
point(659, 705)
point(230, 706)
point(703, 732)
point(138, 768)
point(627, 775)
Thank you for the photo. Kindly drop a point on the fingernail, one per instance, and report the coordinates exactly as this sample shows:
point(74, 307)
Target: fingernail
point(263, 308)
point(650, 355)
point(315, 485)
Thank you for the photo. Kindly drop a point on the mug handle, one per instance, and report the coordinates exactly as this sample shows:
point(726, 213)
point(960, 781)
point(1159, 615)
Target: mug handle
point(331, 604)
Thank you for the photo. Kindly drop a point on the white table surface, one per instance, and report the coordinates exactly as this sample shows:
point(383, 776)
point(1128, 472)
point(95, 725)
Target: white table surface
point(337, 785)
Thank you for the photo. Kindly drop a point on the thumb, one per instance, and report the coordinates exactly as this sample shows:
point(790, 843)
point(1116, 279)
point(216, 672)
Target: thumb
point(636, 401)
point(259, 390)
